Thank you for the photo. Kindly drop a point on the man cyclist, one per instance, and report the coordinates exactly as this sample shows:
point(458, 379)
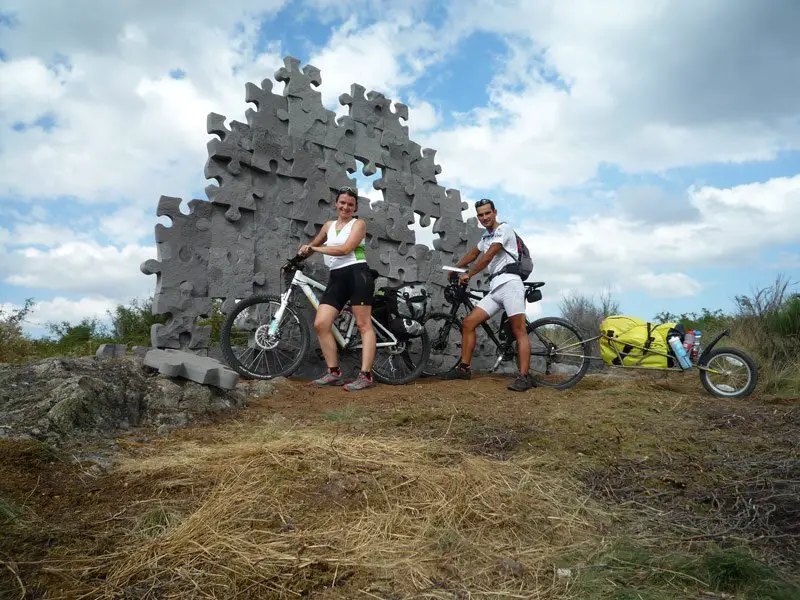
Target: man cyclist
point(498, 249)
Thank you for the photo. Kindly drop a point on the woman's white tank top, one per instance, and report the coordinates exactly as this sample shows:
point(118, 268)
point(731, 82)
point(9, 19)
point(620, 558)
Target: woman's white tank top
point(338, 238)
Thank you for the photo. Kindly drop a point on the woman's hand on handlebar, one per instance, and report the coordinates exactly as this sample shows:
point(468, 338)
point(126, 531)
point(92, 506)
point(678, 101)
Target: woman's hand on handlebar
point(304, 251)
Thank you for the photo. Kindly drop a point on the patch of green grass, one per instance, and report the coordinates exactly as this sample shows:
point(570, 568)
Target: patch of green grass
point(10, 514)
point(628, 572)
point(348, 414)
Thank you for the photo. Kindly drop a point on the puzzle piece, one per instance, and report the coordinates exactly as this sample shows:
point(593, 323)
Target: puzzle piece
point(337, 165)
point(399, 152)
point(427, 200)
point(298, 83)
point(265, 117)
point(272, 152)
point(452, 234)
point(374, 110)
point(398, 224)
point(368, 149)
point(184, 308)
point(398, 187)
point(342, 137)
point(233, 146)
point(231, 260)
point(307, 124)
point(182, 249)
point(425, 167)
point(234, 191)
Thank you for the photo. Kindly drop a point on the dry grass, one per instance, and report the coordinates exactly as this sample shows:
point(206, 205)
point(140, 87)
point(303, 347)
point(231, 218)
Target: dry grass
point(294, 512)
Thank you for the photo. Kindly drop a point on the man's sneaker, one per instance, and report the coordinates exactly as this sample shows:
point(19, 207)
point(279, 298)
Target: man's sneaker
point(522, 383)
point(329, 379)
point(458, 372)
point(360, 383)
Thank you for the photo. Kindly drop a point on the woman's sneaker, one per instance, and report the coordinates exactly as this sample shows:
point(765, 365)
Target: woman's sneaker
point(522, 383)
point(329, 379)
point(360, 383)
point(458, 372)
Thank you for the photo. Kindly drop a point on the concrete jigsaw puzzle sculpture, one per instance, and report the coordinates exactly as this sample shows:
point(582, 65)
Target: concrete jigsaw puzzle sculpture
point(277, 177)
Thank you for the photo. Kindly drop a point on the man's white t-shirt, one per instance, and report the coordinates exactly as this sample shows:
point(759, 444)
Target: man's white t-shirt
point(503, 234)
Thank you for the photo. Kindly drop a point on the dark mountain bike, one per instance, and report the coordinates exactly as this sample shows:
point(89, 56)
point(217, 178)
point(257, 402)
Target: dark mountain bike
point(559, 354)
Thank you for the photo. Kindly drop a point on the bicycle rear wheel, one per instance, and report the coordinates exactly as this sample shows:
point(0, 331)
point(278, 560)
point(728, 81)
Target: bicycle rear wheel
point(248, 348)
point(559, 356)
point(445, 336)
point(401, 363)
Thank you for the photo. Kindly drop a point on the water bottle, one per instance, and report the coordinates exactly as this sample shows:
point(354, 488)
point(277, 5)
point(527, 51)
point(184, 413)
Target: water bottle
point(680, 351)
point(688, 340)
point(696, 347)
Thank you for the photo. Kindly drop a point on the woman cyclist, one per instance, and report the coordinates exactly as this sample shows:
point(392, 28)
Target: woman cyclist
point(350, 279)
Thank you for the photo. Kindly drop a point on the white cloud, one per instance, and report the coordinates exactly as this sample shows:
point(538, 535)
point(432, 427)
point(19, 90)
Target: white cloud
point(125, 129)
point(647, 86)
point(734, 227)
point(61, 309)
point(668, 285)
point(129, 224)
point(399, 51)
point(82, 267)
point(422, 116)
point(43, 234)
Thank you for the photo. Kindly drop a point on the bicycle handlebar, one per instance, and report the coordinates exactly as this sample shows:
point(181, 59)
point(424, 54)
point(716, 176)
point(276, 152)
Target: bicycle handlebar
point(294, 262)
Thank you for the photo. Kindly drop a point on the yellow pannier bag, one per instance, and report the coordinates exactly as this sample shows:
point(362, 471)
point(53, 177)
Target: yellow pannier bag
point(633, 342)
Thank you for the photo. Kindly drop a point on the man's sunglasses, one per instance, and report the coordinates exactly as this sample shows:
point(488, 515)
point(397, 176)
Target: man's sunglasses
point(483, 202)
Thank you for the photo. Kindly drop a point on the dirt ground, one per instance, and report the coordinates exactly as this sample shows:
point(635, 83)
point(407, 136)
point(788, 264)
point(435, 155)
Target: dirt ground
point(648, 459)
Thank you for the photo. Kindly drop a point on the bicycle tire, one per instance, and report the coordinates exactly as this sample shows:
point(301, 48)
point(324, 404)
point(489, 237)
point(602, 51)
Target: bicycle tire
point(237, 365)
point(752, 372)
point(452, 324)
point(383, 377)
point(532, 326)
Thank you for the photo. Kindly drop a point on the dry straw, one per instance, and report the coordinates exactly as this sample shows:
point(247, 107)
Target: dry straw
point(298, 512)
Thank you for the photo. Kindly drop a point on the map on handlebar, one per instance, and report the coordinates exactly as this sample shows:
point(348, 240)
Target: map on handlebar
point(454, 269)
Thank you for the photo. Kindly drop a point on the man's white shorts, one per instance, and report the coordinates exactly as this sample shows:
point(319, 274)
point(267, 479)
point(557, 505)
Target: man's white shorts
point(509, 296)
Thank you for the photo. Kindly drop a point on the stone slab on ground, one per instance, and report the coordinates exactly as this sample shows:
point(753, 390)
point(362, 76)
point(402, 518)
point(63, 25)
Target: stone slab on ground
point(112, 350)
point(201, 369)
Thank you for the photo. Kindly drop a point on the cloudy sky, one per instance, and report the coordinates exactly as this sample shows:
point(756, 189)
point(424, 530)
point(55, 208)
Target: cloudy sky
point(650, 148)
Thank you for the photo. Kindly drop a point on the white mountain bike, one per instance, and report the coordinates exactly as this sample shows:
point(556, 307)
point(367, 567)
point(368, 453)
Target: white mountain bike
point(267, 336)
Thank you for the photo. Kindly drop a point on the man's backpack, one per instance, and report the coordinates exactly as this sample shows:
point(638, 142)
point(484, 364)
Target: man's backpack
point(524, 263)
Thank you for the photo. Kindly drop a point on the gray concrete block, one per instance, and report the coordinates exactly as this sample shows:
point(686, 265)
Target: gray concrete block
point(201, 369)
point(112, 350)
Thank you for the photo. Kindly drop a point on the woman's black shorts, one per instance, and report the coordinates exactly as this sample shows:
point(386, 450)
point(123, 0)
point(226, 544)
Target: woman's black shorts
point(353, 282)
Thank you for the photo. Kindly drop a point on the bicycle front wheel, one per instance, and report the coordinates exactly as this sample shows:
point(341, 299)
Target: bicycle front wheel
point(559, 356)
point(445, 335)
point(251, 351)
point(401, 363)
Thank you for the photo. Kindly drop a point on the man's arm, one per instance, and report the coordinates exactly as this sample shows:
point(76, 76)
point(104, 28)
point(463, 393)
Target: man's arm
point(484, 260)
point(468, 258)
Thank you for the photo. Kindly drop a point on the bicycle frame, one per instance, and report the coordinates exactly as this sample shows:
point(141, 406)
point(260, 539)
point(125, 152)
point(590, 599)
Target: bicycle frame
point(307, 286)
point(464, 297)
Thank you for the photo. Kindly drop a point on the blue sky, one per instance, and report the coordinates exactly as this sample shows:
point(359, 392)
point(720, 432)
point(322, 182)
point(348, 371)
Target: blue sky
point(638, 147)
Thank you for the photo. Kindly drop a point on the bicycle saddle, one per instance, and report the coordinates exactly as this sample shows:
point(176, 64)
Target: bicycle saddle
point(533, 284)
